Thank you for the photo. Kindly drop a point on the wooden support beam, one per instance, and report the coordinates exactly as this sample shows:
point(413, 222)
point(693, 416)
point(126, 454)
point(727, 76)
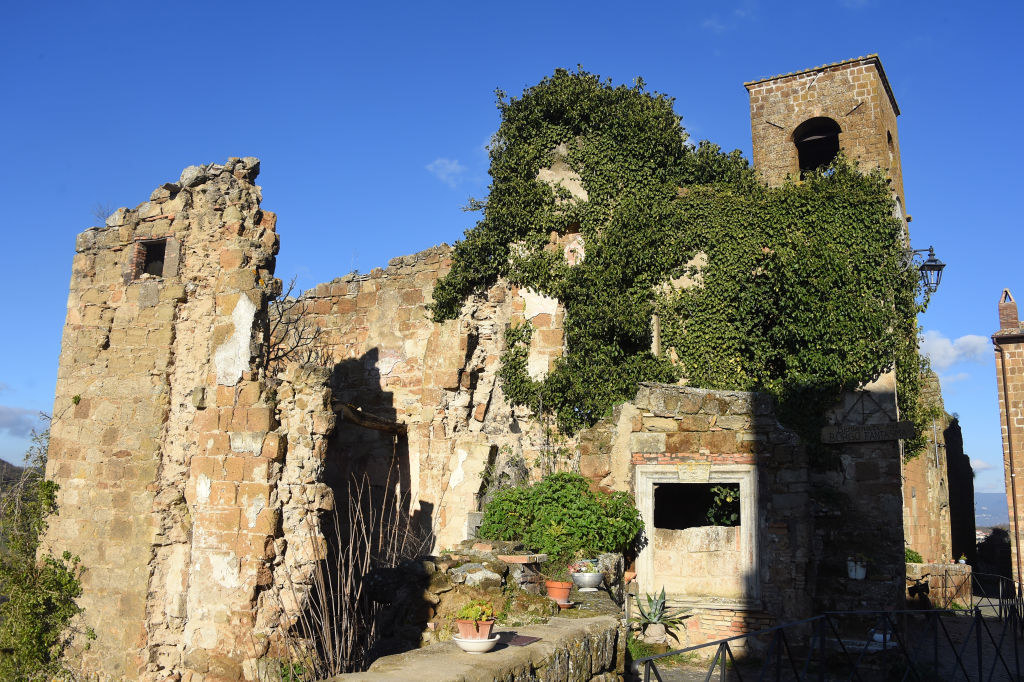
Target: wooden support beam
point(351, 413)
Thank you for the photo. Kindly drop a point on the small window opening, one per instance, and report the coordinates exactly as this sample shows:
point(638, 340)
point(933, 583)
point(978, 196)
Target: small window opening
point(817, 143)
point(678, 506)
point(892, 146)
point(153, 253)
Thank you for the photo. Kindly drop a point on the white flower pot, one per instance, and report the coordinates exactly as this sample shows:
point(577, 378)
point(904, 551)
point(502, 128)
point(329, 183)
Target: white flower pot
point(476, 646)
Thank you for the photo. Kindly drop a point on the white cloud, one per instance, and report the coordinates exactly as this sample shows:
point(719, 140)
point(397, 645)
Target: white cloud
point(448, 171)
point(944, 352)
point(17, 421)
point(713, 24)
point(980, 465)
point(4, 387)
point(948, 379)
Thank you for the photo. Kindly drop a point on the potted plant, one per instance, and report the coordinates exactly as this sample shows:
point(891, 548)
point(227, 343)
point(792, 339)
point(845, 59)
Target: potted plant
point(657, 620)
point(585, 575)
point(962, 559)
point(556, 581)
point(475, 620)
point(857, 566)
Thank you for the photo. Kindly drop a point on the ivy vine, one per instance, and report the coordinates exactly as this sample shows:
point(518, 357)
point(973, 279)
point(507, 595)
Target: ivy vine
point(803, 290)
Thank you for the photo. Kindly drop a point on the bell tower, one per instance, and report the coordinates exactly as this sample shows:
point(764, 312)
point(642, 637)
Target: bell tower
point(801, 120)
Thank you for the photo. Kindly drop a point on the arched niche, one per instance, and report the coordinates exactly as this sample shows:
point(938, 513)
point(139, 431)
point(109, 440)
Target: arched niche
point(817, 143)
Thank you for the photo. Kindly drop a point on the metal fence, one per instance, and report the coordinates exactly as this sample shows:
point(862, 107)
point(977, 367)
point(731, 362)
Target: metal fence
point(934, 644)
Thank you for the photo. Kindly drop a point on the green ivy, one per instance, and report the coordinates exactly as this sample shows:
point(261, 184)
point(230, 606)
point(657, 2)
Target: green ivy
point(805, 294)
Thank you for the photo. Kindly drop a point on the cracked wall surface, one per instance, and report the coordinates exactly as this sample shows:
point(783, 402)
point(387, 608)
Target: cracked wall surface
point(390, 359)
point(174, 473)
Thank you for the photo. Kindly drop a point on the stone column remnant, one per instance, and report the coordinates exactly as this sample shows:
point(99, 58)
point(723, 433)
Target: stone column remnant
point(175, 483)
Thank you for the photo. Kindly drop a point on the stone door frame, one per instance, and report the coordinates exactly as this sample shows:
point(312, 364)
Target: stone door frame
point(645, 476)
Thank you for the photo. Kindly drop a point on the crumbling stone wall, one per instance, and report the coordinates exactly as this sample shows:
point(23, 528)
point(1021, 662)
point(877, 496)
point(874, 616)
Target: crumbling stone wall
point(173, 474)
point(390, 360)
point(927, 525)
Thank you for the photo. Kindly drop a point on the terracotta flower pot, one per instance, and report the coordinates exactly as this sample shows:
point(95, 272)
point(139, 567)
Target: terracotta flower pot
point(475, 629)
point(558, 590)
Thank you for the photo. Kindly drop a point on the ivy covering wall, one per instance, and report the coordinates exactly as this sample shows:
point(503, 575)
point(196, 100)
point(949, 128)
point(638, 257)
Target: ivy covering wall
point(803, 290)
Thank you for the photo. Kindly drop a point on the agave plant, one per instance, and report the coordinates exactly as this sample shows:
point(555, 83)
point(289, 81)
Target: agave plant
point(658, 613)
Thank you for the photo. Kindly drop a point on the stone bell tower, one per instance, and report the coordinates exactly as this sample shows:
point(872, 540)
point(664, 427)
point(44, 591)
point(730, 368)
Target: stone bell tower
point(801, 120)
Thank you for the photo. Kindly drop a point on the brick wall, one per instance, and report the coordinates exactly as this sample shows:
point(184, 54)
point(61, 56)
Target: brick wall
point(1009, 356)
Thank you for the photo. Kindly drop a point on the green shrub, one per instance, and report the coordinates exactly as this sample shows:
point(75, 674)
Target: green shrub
point(913, 557)
point(38, 591)
point(561, 516)
point(725, 506)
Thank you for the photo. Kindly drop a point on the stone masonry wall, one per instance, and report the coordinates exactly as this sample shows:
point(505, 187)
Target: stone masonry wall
point(927, 526)
point(164, 442)
point(687, 435)
point(389, 359)
point(854, 93)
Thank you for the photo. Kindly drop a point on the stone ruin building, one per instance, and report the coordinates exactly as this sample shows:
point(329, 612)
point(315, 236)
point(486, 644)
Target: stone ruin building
point(193, 474)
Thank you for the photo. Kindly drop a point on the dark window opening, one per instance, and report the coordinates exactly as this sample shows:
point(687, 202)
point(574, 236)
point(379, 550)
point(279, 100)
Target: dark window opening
point(892, 146)
point(153, 257)
point(678, 506)
point(817, 143)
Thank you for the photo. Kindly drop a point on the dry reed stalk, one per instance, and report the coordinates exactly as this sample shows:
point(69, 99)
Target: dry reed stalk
point(337, 623)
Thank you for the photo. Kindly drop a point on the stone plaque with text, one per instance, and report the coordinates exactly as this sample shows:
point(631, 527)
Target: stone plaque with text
point(865, 433)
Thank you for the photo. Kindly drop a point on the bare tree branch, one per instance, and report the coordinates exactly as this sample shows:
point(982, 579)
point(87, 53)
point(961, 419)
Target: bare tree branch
point(293, 335)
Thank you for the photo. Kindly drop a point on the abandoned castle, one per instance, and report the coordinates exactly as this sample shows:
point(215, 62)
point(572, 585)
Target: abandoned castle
point(192, 481)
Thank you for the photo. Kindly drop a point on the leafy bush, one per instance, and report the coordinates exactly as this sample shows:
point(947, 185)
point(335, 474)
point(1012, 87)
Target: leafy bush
point(725, 506)
point(913, 557)
point(560, 516)
point(38, 593)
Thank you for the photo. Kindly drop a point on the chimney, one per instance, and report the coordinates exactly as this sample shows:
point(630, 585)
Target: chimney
point(1008, 311)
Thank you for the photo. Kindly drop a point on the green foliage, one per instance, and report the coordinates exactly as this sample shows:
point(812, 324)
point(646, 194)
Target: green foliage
point(725, 506)
point(806, 291)
point(292, 672)
point(38, 593)
point(476, 611)
point(560, 515)
point(913, 557)
point(638, 648)
point(658, 613)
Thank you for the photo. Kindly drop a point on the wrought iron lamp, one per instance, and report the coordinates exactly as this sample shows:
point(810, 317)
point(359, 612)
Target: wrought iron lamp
point(930, 268)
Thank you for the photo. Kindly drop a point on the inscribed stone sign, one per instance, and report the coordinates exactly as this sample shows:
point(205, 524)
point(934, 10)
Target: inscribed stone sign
point(863, 433)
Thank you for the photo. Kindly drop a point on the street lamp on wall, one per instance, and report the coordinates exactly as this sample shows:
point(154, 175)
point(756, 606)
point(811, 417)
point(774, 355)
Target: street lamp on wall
point(930, 268)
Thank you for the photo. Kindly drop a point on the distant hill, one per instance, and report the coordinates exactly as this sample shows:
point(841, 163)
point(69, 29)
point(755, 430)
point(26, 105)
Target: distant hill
point(990, 510)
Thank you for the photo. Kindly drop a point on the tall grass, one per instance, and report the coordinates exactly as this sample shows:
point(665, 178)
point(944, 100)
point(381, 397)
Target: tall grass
point(368, 531)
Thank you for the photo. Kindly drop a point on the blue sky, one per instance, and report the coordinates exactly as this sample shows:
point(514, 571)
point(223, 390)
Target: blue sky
point(371, 122)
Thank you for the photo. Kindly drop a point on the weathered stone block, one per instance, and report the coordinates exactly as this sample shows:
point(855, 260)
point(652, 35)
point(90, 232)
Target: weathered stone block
point(647, 442)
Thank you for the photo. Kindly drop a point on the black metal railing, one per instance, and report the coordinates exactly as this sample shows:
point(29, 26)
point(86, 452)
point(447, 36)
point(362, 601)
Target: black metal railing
point(921, 645)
